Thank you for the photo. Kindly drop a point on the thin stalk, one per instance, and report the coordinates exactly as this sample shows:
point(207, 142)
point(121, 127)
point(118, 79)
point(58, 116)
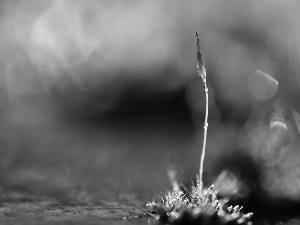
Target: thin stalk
point(202, 73)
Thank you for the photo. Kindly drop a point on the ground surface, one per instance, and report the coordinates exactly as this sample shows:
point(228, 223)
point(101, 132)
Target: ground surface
point(74, 215)
point(73, 171)
point(88, 172)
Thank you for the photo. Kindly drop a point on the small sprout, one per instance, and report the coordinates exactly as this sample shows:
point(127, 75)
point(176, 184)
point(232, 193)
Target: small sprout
point(196, 205)
point(202, 73)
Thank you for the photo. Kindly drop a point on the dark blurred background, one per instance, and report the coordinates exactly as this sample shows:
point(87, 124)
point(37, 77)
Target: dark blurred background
point(99, 98)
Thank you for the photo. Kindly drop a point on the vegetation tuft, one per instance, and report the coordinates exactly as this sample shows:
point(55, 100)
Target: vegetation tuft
point(183, 206)
point(197, 205)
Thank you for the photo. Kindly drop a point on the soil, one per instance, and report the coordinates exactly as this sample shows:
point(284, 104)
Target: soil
point(74, 215)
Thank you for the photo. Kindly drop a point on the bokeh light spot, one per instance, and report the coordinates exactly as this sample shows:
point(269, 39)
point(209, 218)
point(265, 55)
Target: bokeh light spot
point(262, 85)
point(64, 34)
point(64, 37)
point(228, 183)
point(297, 120)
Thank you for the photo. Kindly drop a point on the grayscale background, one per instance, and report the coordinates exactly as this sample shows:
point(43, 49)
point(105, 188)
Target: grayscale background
point(98, 99)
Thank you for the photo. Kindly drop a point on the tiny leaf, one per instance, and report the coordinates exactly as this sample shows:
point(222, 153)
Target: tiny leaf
point(200, 65)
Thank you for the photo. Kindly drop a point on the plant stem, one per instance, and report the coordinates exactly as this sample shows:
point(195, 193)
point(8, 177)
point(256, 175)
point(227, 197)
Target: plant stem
point(202, 73)
point(205, 136)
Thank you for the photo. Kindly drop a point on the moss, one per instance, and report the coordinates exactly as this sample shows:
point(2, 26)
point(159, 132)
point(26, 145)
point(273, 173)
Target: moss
point(197, 205)
point(183, 206)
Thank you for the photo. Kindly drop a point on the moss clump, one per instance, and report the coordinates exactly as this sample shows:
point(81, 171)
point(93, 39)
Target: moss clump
point(197, 205)
point(182, 206)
